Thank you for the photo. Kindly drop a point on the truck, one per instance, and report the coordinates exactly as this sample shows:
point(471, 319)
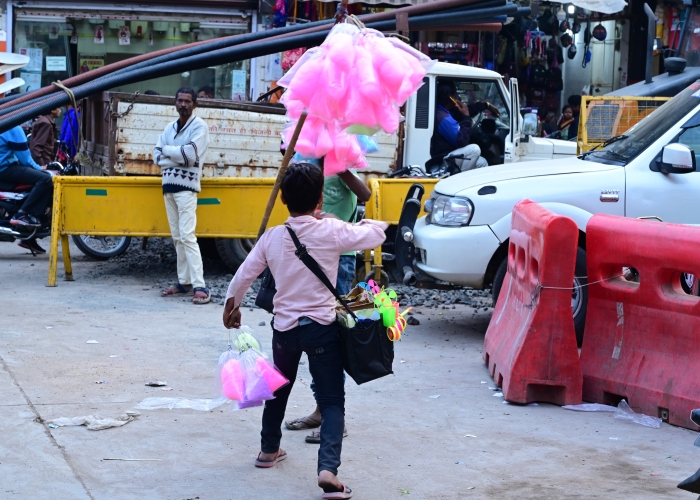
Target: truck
point(245, 136)
point(650, 171)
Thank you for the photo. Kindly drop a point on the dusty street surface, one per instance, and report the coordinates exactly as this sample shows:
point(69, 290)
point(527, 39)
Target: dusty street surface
point(435, 430)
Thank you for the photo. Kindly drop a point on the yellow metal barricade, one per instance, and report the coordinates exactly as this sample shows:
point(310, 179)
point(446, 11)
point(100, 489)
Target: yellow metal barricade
point(134, 206)
point(228, 207)
point(385, 204)
point(603, 117)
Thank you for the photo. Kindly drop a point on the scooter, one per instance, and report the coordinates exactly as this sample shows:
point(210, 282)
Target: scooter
point(692, 484)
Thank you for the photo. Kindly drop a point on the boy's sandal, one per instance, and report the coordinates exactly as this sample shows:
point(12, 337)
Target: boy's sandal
point(338, 495)
point(266, 464)
point(176, 289)
point(300, 424)
point(201, 296)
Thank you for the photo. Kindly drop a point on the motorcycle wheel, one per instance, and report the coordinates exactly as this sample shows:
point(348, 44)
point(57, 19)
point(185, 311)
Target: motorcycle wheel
point(102, 247)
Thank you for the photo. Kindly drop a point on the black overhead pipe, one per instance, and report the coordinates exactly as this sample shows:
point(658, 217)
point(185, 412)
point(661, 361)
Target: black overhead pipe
point(147, 60)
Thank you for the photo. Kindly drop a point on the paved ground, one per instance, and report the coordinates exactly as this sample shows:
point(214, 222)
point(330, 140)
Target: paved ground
point(403, 443)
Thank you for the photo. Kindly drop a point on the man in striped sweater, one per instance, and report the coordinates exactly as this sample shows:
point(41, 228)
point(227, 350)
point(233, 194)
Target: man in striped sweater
point(180, 154)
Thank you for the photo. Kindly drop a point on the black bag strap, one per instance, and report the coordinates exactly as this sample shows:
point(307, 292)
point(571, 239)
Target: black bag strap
point(313, 266)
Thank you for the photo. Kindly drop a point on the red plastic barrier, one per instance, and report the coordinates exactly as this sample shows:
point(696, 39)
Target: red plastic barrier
point(642, 341)
point(530, 345)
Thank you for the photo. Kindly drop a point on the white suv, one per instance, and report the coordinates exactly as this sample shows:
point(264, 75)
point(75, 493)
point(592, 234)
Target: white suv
point(648, 172)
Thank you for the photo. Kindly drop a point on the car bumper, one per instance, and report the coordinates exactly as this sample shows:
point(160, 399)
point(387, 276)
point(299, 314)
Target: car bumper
point(457, 255)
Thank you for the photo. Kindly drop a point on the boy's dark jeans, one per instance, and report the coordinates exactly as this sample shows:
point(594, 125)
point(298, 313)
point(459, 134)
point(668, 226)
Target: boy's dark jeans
point(322, 345)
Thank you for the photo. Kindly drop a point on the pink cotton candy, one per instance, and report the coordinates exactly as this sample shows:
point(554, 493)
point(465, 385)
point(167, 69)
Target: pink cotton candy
point(232, 380)
point(305, 83)
point(334, 79)
point(331, 165)
point(359, 110)
point(392, 76)
point(366, 77)
point(387, 117)
point(341, 51)
point(324, 143)
point(294, 108)
point(354, 152)
point(272, 375)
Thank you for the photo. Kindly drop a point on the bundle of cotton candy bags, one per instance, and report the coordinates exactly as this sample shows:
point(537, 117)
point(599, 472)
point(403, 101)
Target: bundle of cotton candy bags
point(245, 375)
point(357, 79)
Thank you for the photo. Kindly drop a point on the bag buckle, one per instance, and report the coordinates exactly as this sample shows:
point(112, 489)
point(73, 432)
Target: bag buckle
point(301, 251)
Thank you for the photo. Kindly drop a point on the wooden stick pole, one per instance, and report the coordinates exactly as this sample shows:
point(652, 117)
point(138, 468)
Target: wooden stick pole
point(280, 175)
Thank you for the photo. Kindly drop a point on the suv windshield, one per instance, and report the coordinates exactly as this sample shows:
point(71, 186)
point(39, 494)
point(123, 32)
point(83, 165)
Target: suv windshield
point(646, 132)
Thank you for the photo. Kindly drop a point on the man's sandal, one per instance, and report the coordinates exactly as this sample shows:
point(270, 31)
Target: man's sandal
point(266, 464)
point(176, 289)
point(300, 424)
point(315, 436)
point(201, 296)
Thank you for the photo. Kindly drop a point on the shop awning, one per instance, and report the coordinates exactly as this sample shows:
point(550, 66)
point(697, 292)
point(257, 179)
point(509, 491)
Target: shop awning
point(602, 6)
point(393, 3)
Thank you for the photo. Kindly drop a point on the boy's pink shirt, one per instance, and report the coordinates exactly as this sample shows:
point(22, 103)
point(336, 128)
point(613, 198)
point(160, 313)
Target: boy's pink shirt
point(299, 292)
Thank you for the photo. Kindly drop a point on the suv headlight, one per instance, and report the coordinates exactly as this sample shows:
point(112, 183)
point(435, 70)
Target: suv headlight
point(451, 211)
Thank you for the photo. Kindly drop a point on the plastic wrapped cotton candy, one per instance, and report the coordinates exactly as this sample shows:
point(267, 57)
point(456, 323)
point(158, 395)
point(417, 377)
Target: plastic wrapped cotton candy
point(245, 375)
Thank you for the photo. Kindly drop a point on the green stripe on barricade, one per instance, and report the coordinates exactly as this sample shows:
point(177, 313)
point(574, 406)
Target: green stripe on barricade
point(208, 201)
point(96, 192)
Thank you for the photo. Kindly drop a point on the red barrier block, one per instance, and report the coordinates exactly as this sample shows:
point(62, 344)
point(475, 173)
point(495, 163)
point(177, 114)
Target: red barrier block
point(530, 345)
point(642, 340)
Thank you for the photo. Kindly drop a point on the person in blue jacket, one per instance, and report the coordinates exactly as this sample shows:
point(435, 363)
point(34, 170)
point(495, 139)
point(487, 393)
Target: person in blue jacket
point(69, 130)
point(18, 167)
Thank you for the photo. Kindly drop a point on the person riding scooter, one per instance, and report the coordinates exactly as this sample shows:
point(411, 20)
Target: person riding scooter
point(18, 167)
point(453, 129)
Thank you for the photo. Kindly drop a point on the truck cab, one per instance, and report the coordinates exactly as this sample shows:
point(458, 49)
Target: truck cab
point(476, 84)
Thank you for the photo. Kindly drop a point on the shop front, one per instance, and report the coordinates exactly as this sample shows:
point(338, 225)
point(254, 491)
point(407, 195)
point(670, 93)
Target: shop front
point(63, 39)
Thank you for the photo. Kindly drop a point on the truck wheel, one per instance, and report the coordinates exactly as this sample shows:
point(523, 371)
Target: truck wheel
point(102, 247)
point(233, 251)
point(579, 294)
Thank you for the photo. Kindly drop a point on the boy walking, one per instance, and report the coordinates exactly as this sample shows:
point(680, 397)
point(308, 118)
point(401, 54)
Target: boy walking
point(180, 153)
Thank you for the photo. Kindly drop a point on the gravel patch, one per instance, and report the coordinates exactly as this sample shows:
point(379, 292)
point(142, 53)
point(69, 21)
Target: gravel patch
point(157, 263)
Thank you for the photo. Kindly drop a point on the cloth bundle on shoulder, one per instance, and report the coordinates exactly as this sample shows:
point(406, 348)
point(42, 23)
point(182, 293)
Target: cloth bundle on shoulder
point(354, 83)
point(245, 375)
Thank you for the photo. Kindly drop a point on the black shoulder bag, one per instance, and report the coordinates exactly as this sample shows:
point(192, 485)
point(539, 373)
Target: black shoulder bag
point(367, 352)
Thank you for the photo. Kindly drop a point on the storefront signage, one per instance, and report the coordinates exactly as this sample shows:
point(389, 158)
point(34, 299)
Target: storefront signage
point(238, 84)
point(36, 58)
point(99, 34)
point(32, 81)
point(55, 63)
point(124, 35)
point(88, 63)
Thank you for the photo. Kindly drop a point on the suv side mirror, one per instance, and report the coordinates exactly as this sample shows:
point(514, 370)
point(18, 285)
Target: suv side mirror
point(676, 158)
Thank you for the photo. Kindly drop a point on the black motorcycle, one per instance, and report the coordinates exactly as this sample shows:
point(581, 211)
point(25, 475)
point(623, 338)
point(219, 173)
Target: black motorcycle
point(12, 197)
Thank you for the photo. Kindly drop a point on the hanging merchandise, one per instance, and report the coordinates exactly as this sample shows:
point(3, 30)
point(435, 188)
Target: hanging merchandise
point(561, 14)
point(564, 26)
point(599, 32)
point(280, 18)
point(603, 6)
point(566, 40)
point(354, 83)
point(571, 53)
point(586, 44)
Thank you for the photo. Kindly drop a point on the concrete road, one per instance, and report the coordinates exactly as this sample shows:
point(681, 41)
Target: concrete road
point(435, 430)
